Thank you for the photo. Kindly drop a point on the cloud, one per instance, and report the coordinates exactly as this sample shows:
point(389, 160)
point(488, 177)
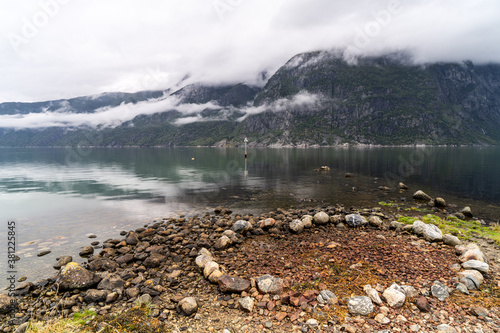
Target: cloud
point(52, 49)
point(107, 117)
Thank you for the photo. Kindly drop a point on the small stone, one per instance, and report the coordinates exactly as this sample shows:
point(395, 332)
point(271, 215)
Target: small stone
point(86, 251)
point(445, 328)
point(241, 226)
point(381, 319)
point(201, 260)
point(268, 324)
point(410, 291)
point(440, 202)
point(477, 265)
point(422, 304)
point(61, 261)
point(415, 328)
point(43, 253)
point(479, 311)
point(402, 186)
point(375, 221)
point(467, 211)
point(470, 283)
point(361, 305)
point(188, 306)
point(209, 268)
point(312, 323)
point(472, 254)
point(246, 303)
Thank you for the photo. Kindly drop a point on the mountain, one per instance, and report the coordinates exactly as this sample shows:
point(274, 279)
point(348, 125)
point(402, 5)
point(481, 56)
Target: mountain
point(316, 98)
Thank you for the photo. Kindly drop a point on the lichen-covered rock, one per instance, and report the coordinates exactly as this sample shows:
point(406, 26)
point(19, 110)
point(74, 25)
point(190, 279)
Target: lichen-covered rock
point(74, 276)
point(296, 226)
point(360, 305)
point(268, 284)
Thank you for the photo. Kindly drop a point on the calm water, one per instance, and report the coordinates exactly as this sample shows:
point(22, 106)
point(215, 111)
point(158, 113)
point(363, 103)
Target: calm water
point(58, 197)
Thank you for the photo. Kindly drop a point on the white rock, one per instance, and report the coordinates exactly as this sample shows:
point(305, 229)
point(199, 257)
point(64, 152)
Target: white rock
point(394, 296)
point(209, 268)
point(321, 218)
point(373, 294)
point(477, 265)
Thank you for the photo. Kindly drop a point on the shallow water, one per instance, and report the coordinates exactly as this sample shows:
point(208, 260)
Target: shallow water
point(57, 197)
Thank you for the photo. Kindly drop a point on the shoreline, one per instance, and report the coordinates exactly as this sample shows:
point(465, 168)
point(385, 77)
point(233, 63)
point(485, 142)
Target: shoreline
point(162, 261)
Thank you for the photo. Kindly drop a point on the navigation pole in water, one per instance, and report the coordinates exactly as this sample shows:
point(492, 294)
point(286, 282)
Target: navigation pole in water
point(245, 141)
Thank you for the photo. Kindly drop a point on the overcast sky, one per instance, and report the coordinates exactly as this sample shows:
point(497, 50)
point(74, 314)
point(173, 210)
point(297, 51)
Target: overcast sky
point(51, 49)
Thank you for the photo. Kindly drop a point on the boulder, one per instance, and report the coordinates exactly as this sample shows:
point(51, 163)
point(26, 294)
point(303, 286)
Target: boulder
point(471, 273)
point(188, 306)
point(467, 211)
point(373, 294)
point(307, 221)
point(355, 220)
point(296, 226)
point(321, 218)
point(154, 260)
point(74, 276)
point(360, 305)
point(95, 296)
point(439, 202)
point(451, 240)
point(222, 243)
point(394, 296)
point(472, 254)
point(420, 195)
point(111, 282)
point(241, 226)
point(268, 284)
point(102, 264)
point(232, 284)
point(375, 221)
point(201, 260)
point(477, 265)
point(440, 291)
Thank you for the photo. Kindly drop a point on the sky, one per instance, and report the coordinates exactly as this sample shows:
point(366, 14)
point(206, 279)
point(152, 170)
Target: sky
point(54, 49)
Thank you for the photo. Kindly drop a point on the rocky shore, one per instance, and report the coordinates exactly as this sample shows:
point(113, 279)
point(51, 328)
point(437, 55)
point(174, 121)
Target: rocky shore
point(319, 269)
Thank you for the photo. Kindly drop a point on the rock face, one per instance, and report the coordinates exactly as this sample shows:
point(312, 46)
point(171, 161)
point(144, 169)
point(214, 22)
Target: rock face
point(321, 218)
point(188, 306)
point(355, 220)
point(232, 284)
point(395, 296)
point(268, 284)
point(74, 276)
point(360, 305)
point(477, 265)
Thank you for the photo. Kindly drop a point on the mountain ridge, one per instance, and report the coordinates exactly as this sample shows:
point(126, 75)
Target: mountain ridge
point(315, 98)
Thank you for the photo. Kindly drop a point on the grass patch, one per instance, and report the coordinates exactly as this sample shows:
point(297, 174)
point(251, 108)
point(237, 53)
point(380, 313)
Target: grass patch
point(387, 204)
point(460, 228)
point(77, 324)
